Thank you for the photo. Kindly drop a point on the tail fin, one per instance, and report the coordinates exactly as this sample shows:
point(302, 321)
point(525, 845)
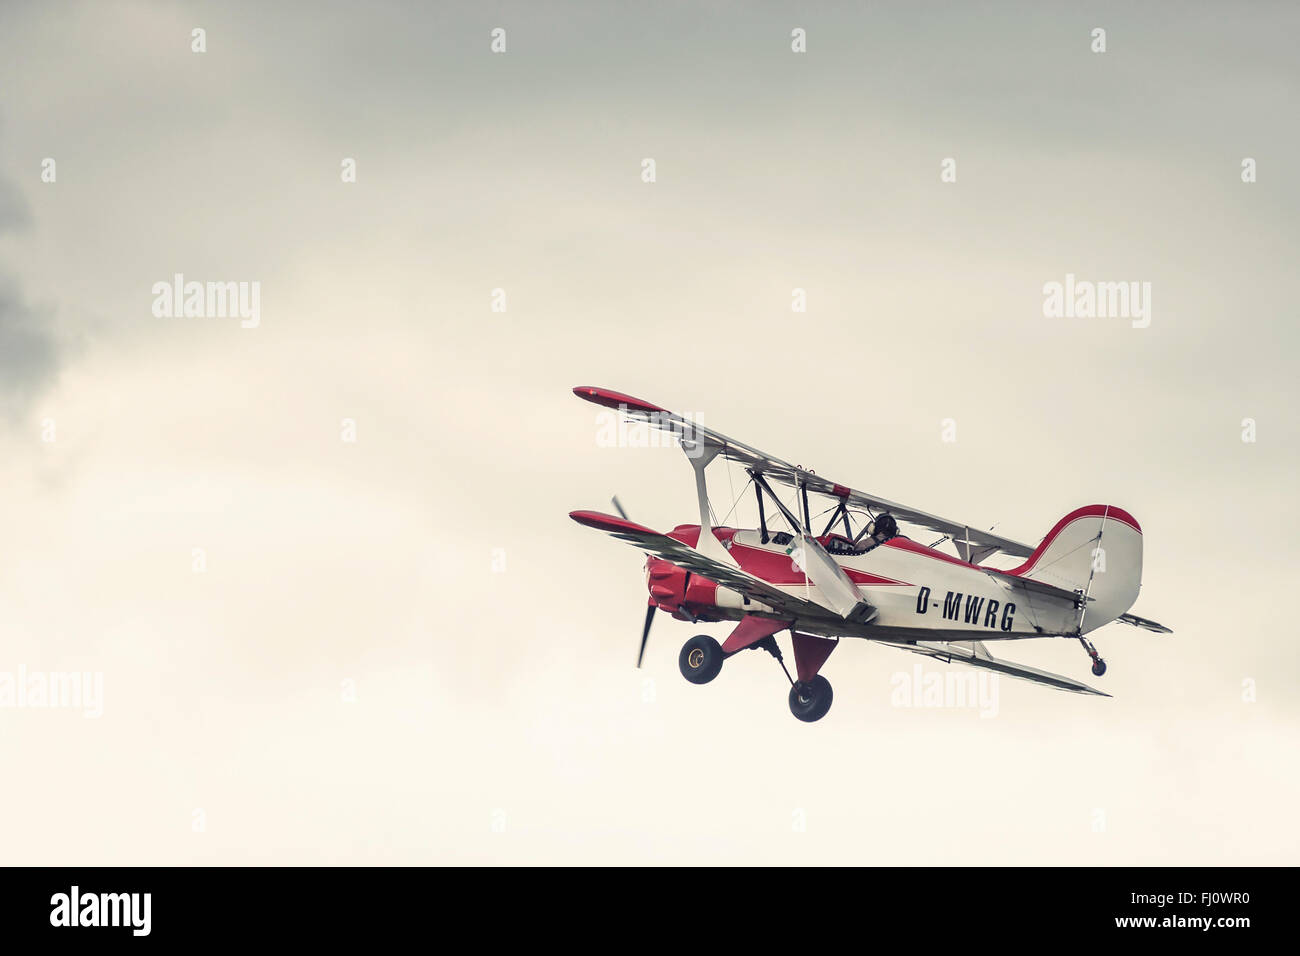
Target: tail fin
point(1097, 549)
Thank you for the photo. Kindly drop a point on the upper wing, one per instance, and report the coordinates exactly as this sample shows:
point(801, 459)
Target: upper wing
point(683, 555)
point(776, 469)
point(977, 655)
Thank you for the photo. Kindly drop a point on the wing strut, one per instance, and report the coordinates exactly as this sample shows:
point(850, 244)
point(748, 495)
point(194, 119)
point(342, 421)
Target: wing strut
point(761, 483)
point(708, 545)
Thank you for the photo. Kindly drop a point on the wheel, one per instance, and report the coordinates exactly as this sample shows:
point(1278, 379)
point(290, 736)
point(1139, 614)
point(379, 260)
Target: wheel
point(810, 700)
point(700, 659)
point(1098, 667)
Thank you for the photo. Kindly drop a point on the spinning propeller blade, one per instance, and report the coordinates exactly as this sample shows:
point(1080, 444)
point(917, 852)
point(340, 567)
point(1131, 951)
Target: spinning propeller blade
point(649, 611)
point(645, 632)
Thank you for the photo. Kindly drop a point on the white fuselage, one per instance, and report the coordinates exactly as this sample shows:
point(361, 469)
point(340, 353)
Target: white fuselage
point(912, 587)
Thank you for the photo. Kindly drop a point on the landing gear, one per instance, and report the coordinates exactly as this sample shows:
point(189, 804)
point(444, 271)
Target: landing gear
point(810, 700)
point(1098, 665)
point(700, 659)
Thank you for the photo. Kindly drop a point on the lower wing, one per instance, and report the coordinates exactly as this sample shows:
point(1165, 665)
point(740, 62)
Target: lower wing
point(683, 555)
point(977, 655)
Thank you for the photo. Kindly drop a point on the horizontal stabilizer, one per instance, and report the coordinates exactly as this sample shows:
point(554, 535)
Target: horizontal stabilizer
point(1037, 587)
point(1142, 622)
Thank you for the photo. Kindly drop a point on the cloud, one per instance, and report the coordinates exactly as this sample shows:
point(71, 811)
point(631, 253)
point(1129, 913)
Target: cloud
point(28, 353)
point(13, 211)
point(29, 350)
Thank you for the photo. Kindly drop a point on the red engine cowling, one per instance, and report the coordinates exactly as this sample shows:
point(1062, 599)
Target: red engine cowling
point(686, 596)
point(667, 583)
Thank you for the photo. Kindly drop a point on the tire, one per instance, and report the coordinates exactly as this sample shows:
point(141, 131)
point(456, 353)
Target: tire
point(700, 659)
point(1098, 667)
point(811, 700)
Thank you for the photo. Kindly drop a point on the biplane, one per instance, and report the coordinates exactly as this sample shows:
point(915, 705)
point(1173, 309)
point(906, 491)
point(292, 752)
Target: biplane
point(862, 577)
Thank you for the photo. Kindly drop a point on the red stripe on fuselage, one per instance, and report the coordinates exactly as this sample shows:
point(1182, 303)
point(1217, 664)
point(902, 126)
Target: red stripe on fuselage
point(907, 544)
point(775, 567)
point(875, 580)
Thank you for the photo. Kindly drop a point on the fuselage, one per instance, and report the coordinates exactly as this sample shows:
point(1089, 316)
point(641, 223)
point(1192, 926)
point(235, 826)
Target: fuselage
point(914, 589)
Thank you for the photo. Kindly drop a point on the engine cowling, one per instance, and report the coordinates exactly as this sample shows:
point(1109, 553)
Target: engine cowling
point(667, 583)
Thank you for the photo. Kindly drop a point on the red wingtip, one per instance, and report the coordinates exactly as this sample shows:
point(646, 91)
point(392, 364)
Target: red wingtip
point(612, 399)
point(604, 522)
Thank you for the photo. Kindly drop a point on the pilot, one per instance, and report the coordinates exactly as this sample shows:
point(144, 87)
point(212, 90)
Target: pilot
point(876, 533)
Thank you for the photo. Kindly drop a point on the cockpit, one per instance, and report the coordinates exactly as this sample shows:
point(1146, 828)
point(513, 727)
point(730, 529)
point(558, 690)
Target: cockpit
point(876, 534)
point(837, 544)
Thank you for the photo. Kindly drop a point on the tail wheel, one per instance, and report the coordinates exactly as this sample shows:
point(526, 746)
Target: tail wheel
point(1098, 665)
point(700, 659)
point(810, 700)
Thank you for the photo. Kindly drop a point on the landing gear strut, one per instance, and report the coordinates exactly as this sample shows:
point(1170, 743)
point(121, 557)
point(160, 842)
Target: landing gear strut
point(810, 699)
point(700, 661)
point(769, 644)
point(1098, 665)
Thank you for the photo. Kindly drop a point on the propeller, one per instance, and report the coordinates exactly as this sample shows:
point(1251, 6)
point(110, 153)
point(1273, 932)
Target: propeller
point(645, 631)
point(649, 611)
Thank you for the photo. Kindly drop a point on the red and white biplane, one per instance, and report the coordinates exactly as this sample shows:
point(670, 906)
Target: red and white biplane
point(861, 577)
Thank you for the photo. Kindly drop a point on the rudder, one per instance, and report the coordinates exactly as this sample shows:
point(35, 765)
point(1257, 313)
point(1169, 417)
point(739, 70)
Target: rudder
point(1098, 549)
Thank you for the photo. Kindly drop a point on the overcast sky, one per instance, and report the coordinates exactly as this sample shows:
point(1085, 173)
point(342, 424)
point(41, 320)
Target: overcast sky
point(497, 715)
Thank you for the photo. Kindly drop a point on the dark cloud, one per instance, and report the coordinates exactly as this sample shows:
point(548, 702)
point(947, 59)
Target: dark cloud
point(13, 211)
point(29, 352)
